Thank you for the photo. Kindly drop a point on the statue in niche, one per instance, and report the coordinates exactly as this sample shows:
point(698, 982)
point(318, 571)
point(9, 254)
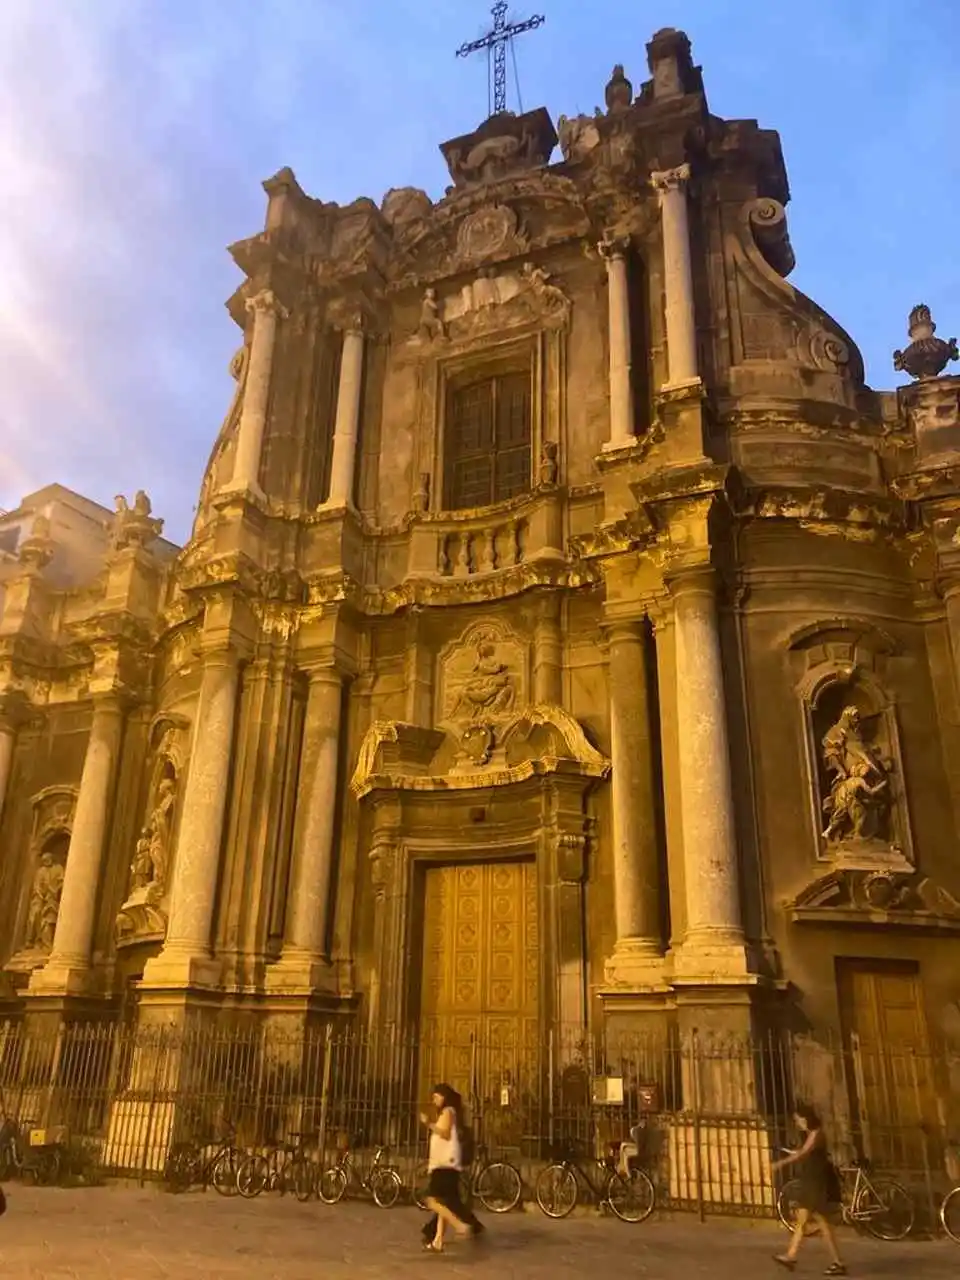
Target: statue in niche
point(44, 904)
point(150, 861)
point(431, 325)
point(859, 780)
point(488, 690)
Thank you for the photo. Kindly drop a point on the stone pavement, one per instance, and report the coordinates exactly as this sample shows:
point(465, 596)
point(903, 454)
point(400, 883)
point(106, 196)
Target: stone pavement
point(118, 1233)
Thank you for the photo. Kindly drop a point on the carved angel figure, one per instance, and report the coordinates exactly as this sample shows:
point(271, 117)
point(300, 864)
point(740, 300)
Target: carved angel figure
point(44, 904)
point(859, 779)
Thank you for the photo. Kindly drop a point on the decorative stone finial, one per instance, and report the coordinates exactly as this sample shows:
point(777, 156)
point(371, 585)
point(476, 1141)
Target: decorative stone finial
point(926, 356)
point(619, 91)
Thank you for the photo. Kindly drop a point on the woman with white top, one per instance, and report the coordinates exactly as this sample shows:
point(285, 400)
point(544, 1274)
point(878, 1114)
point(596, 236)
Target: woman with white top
point(444, 1163)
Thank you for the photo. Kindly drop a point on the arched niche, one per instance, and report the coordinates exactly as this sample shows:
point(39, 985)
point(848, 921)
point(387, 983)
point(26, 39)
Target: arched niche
point(851, 736)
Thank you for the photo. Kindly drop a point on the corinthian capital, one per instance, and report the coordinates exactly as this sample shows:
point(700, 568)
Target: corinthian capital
point(670, 179)
point(266, 301)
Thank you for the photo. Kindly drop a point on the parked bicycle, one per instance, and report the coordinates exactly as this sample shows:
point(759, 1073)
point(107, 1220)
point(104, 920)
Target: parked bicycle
point(286, 1167)
point(558, 1188)
point(24, 1157)
point(497, 1184)
point(186, 1166)
point(381, 1180)
point(881, 1206)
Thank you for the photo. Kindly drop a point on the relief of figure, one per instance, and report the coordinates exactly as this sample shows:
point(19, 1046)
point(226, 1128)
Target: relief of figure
point(538, 280)
point(44, 904)
point(431, 325)
point(489, 689)
point(859, 780)
point(150, 861)
point(549, 466)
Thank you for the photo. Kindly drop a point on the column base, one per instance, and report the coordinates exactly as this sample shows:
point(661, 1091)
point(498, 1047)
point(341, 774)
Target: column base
point(60, 978)
point(708, 961)
point(247, 489)
point(681, 384)
point(332, 505)
point(176, 969)
point(637, 964)
point(299, 974)
point(619, 445)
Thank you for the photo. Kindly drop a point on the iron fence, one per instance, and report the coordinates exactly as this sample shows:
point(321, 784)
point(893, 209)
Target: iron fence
point(709, 1114)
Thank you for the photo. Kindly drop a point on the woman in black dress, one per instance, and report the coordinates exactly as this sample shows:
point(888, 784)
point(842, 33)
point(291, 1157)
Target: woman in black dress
point(817, 1190)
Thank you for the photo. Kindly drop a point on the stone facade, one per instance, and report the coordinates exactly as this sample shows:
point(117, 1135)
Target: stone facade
point(554, 563)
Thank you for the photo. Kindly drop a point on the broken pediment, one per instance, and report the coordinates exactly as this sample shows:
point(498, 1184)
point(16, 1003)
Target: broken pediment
point(482, 752)
point(504, 145)
point(877, 899)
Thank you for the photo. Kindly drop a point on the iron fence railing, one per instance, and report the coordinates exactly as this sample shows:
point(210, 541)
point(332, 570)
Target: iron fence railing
point(710, 1113)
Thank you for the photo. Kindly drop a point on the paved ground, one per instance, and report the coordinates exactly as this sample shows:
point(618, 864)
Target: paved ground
point(118, 1233)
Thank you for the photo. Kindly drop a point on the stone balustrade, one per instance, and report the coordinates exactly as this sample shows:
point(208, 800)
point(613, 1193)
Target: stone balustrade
point(470, 543)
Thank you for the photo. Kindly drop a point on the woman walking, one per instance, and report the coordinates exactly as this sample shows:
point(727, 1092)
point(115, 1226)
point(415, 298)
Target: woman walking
point(444, 1163)
point(818, 1189)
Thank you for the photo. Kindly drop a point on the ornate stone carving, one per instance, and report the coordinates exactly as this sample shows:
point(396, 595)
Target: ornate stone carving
point(44, 904)
point(36, 551)
point(618, 93)
point(881, 898)
point(859, 786)
point(491, 302)
point(505, 144)
point(482, 679)
point(421, 498)
point(405, 204)
point(549, 464)
point(926, 356)
point(767, 220)
point(488, 232)
point(579, 136)
point(134, 527)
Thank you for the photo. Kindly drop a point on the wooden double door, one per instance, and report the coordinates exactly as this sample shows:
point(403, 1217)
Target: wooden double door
point(891, 1067)
point(480, 997)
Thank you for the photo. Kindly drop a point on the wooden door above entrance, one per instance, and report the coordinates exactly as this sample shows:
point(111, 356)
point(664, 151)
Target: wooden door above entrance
point(480, 983)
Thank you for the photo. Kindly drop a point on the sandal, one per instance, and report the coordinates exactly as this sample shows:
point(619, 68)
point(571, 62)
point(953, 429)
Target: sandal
point(836, 1269)
point(784, 1261)
point(431, 1246)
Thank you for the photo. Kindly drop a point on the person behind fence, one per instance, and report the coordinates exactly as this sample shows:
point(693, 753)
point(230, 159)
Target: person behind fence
point(819, 1189)
point(445, 1163)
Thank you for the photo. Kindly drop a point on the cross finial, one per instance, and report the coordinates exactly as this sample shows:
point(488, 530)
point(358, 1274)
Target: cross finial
point(496, 42)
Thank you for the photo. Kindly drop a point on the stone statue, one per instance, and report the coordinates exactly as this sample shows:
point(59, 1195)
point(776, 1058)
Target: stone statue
point(150, 861)
point(549, 466)
point(488, 690)
point(136, 527)
point(44, 904)
point(859, 779)
point(431, 325)
point(421, 498)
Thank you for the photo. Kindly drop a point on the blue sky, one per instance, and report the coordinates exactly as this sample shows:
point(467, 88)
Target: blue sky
point(134, 135)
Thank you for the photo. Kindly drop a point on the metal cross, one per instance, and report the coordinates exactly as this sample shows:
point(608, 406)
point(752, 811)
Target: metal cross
point(497, 41)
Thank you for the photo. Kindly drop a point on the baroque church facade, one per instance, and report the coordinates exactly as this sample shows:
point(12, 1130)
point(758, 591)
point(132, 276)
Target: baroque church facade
point(568, 637)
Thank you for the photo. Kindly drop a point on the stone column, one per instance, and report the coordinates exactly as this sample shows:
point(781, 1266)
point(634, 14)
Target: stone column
point(680, 314)
point(633, 806)
point(7, 740)
point(713, 946)
point(951, 599)
point(344, 462)
point(618, 318)
point(309, 896)
point(69, 962)
point(548, 654)
point(266, 310)
point(185, 957)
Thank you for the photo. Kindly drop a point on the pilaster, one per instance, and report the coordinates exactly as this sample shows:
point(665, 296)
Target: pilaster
point(266, 311)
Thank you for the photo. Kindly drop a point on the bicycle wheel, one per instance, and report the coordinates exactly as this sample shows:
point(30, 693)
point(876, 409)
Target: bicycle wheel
point(632, 1198)
point(223, 1173)
point(252, 1176)
point(332, 1185)
point(788, 1203)
point(498, 1187)
point(885, 1208)
point(302, 1175)
point(950, 1214)
point(385, 1188)
point(556, 1190)
point(181, 1168)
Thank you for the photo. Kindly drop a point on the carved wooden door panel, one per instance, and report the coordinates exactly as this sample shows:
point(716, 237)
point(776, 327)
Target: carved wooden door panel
point(480, 1027)
point(890, 1066)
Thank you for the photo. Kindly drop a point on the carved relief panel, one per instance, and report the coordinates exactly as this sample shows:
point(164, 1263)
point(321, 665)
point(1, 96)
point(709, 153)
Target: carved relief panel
point(482, 682)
